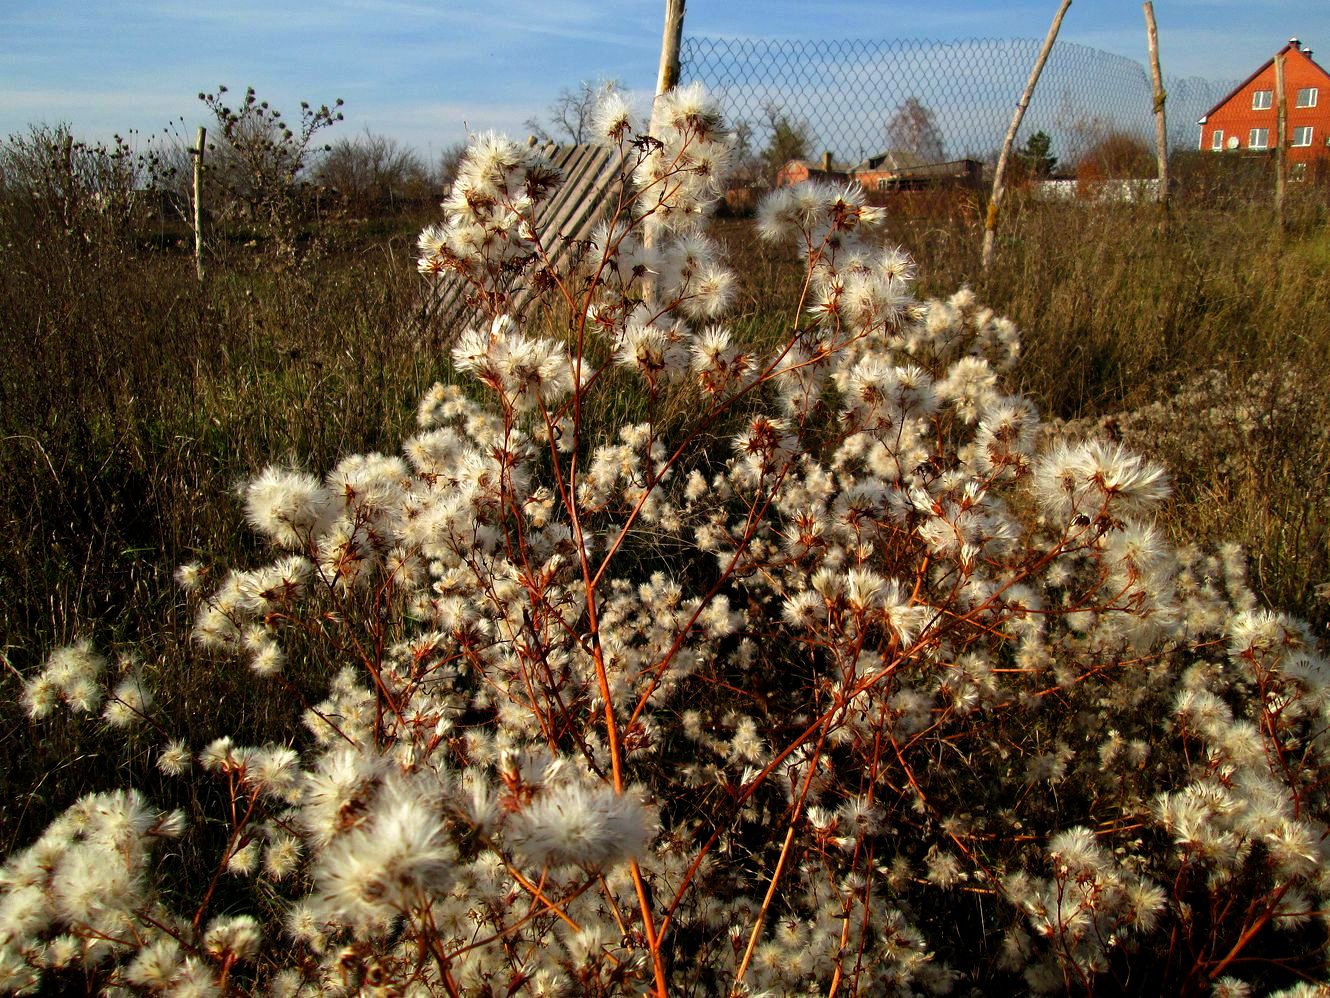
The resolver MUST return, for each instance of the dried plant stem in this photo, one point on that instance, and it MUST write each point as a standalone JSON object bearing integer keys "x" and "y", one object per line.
{"x": 766, "y": 904}
{"x": 770, "y": 895}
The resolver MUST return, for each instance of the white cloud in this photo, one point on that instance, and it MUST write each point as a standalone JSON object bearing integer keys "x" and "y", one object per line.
{"x": 436, "y": 124}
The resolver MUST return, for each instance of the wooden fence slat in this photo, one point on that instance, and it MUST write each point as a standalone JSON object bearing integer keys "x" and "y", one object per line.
{"x": 590, "y": 186}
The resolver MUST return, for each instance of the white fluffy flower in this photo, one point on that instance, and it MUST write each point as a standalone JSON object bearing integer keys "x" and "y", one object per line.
{"x": 289, "y": 507}
{"x": 572, "y": 824}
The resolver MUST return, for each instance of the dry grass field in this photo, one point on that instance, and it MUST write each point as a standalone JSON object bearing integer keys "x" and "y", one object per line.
{"x": 134, "y": 399}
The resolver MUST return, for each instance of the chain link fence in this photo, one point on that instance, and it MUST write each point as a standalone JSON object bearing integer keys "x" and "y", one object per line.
{"x": 857, "y": 99}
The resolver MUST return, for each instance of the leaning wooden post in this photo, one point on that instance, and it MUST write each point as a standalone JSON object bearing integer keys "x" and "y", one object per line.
{"x": 995, "y": 198}
{"x": 1161, "y": 125}
{"x": 197, "y": 153}
{"x": 1281, "y": 125}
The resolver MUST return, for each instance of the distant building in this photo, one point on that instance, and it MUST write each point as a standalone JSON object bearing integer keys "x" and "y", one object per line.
{"x": 1247, "y": 119}
{"x": 796, "y": 171}
{"x": 905, "y": 171}
{"x": 888, "y": 171}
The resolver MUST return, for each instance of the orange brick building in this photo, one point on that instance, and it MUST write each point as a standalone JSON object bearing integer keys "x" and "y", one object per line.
{"x": 796, "y": 171}
{"x": 1247, "y": 119}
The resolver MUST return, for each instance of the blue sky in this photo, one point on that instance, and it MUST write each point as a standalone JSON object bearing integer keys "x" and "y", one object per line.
{"x": 426, "y": 72}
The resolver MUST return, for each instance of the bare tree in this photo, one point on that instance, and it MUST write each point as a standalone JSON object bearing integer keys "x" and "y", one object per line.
{"x": 912, "y": 129}
{"x": 373, "y": 172}
{"x": 571, "y": 112}
{"x": 746, "y": 163}
{"x": 450, "y": 161}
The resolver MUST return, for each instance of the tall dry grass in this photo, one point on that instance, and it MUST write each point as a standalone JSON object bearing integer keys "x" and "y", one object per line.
{"x": 132, "y": 400}
{"x": 1123, "y": 309}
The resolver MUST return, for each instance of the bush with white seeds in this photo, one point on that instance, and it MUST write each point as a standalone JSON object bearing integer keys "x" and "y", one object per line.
{"x": 845, "y": 683}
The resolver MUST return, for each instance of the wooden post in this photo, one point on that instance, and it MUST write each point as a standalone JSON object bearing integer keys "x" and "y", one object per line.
{"x": 667, "y": 78}
{"x": 197, "y": 153}
{"x": 69, "y": 204}
{"x": 1161, "y": 125}
{"x": 1281, "y": 125}
{"x": 995, "y": 199}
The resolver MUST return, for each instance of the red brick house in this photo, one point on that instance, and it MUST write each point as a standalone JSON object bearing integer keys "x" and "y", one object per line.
{"x": 796, "y": 171}
{"x": 1247, "y": 119}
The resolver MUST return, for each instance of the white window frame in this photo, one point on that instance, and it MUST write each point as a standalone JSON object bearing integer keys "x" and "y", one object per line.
{"x": 1217, "y": 140}
{"x": 1262, "y": 100}
{"x": 1310, "y": 94}
{"x": 1302, "y": 137}
{"x": 1263, "y": 143}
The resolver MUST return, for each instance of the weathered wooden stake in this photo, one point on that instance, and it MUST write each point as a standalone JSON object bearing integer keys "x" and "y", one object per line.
{"x": 197, "y": 153}
{"x": 70, "y": 203}
{"x": 667, "y": 78}
{"x": 1161, "y": 125}
{"x": 995, "y": 199}
{"x": 1281, "y": 125}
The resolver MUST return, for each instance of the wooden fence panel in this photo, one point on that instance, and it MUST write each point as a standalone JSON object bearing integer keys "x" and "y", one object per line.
{"x": 590, "y": 191}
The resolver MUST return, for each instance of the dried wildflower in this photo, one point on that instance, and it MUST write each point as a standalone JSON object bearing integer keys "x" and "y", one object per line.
{"x": 174, "y": 759}
{"x": 861, "y": 631}
{"x": 573, "y": 824}
{"x": 291, "y": 507}
{"x": 70, "y": 674}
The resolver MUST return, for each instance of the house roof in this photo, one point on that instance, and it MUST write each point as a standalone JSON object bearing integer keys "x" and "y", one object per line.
{"x": 892, "y": 159}
{"x": 905, "y": 164}
{"x": 1293, "y": 44}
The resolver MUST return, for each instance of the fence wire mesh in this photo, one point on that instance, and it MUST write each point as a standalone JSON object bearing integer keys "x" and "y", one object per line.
{"x": 859, "y": 98}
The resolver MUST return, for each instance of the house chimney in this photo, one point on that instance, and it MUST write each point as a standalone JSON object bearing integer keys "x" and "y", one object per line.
{"x": 1297, "y": 45}
{"x": 826, "y": 162}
